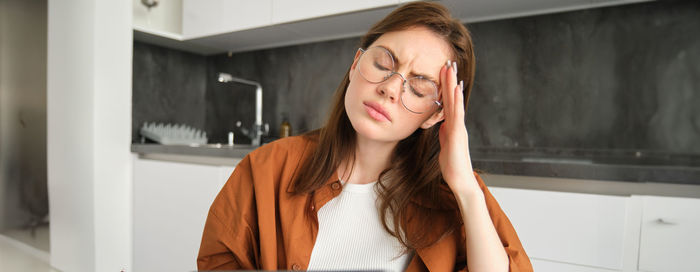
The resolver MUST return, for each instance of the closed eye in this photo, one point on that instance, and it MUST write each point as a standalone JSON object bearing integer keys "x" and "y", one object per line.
{"x": 415, "y": 92}
{"x": 380, "y": 67}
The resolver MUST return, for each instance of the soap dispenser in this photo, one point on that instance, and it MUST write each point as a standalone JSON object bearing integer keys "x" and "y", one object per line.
{"x": 285, "y": 128}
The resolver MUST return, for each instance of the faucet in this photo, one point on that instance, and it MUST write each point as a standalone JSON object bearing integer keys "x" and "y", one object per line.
{"x": 258, "y": 129}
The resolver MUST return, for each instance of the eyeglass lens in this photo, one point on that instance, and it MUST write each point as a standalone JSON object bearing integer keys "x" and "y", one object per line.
{"x": 419, "y": 95}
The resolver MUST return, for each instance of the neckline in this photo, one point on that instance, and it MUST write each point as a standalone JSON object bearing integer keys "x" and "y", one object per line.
{"x": 357, "y": 188}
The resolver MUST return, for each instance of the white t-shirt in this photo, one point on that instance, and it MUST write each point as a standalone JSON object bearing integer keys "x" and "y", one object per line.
{"x": 351, "y": 235}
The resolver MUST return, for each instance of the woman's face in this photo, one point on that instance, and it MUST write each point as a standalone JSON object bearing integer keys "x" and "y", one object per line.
{"x": 375, "y": 109}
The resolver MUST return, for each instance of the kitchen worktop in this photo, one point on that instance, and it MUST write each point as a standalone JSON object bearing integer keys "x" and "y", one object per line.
{"x": 615, "y": 165}
{"x": 609, "y": 165}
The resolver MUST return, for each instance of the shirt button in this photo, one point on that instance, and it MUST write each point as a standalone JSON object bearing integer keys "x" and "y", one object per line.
{"x": 335, "y": 185}
{"x": 296, "y": 267}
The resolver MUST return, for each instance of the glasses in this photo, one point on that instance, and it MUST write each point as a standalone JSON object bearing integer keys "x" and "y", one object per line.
{"x": 418, "y": 94}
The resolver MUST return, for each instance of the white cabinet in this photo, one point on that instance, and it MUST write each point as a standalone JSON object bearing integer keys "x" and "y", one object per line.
{"x": 202, "y": 18}
{"x": 165, "y": 19}
{"x": 550, "y": 266}
{"x": 589, "y": 232}
{"x": 216, "y": 26}
{"x": 574, "y": 228}
{"x": 171, "y": 201}
{"x": 209, "y": 17}
{"x": 670, "y": 234}
{"x": 284, "y": 11}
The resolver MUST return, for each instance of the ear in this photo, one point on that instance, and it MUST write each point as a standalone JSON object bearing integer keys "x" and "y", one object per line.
{"x": 434, "y": 119}
{"x": 353, "y": 67}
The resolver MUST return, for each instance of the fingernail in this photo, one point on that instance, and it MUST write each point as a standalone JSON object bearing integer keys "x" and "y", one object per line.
{"x": 449, "y": 63}
{"x": 454, "y": 65}
{"x": 461, "y": 84}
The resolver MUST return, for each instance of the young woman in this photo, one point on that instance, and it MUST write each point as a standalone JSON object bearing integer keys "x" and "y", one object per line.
{"x": 386, "y": 184}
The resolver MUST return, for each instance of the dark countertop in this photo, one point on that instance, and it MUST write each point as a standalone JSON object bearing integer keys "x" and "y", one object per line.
{"x": 605, "y": 165}
{"x": 613, "y": 165}
{"x": 209, "y": 150}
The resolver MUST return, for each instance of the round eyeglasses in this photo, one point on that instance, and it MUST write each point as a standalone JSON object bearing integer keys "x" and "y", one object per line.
{"x": 418, "y": 94}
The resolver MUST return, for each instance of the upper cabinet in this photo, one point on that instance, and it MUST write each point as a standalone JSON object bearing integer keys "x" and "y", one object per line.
{"x": 203, "y": 18}
{"x": 285, "y": 11}
{"x": 216, "y": 26}
{"x": 164, "y": 19}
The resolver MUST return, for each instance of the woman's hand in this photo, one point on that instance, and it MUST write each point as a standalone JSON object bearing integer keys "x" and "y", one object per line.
{"x": 455, "y": 162}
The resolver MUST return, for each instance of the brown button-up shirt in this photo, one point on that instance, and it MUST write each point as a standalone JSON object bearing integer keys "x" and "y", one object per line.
{"x": 256, "y": 222}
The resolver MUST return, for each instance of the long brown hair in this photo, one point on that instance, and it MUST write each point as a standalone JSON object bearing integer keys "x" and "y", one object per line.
{"x": 411, "y": 190}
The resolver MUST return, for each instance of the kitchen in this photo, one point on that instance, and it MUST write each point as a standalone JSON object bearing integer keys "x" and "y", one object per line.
{"x": 582, "y": 115}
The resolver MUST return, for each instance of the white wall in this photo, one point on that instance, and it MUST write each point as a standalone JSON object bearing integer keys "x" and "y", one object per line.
{"x": 89, "y": 121}
{"x": 22, "y": 112}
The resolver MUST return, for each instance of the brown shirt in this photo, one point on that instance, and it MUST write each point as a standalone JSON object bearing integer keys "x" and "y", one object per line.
{"x": 256, "y": 222}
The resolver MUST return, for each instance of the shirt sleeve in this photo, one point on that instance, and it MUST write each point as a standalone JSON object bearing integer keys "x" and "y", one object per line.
{"x": 229, "y": 239}
{"x": 518, "y": 259}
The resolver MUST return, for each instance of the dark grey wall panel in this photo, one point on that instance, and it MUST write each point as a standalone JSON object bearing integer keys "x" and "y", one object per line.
{"x": 298, "y": 82}
{"x": 622, "y": 77}
{"x": 168, "y": 86}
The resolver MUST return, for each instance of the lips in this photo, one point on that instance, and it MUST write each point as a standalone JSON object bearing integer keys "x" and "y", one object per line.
{"x": 376, "y": 111}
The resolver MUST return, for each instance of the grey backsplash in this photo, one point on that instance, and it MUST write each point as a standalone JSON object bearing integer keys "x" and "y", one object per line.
{"x": 168, "y": 86}
{"x": 624, "y": 77}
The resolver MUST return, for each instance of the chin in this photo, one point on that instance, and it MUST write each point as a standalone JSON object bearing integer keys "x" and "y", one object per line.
{"x": 369, "y": 129}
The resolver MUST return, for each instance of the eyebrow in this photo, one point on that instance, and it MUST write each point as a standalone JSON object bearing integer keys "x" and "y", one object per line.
{"x": 398, "y": 63}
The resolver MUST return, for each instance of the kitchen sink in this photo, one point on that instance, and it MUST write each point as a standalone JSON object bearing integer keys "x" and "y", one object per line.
{"x": 226, "y": 146}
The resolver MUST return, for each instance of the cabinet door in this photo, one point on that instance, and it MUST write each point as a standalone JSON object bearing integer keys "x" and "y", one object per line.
{"x": 210, "y": 17}
{"x": 165, "y": 18}
{"x": 574, "y": 228}
{"x": 171, "y": 202}
{"x": 549, "y": 266}
{"x": 670, "y": 234}
{"x": 288, "y": 11}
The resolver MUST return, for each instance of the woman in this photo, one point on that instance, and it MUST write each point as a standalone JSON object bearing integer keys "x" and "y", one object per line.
{"x": 395, "y": 138}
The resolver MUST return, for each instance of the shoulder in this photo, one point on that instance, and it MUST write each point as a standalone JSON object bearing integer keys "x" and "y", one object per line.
{"x": 279, "y": 160}
{"x": 281, "y": 150}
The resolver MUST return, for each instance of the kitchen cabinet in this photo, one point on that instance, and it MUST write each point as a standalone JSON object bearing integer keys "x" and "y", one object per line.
{"x": 572, "y": 228}
{"x": 550, "y": 266}
{"x": 670, "y": 234}
{"x": 588, "y": 232}
{"x": 203, "y": 18}
{"x": 561, "y": 231}
{"x": 217, "y": 26}
{"x": 170, "y": 205}
{"x": 210, "y": 17}
{"x": 284, "y": 11}
{"x": 165, "y": 19}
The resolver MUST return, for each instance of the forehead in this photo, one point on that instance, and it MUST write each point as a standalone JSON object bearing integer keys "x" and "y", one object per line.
{"x": 419, "y": 48}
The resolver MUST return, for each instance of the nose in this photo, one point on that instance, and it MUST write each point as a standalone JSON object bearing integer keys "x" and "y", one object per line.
{"x": 390, "y": 88}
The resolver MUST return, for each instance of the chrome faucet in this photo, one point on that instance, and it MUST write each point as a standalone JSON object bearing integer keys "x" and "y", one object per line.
{"x": 259, "y": 129}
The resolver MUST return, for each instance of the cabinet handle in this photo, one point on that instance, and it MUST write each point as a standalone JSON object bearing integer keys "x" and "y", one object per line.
{"x": 664, "y": 222}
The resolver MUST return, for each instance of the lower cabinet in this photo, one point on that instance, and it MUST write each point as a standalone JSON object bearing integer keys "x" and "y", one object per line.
{"x": 170, "y": 203}
{"x": 588, "y": 232}
{"x": 560, "y": 231}
{"x": 571, "y": 228}
{"x": 542, "y": 265}
{"x": 670, "y": 236}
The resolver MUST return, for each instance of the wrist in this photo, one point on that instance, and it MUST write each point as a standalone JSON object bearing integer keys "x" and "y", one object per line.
{"x": 464, "y": 183}
{"x": 469, "y": 200}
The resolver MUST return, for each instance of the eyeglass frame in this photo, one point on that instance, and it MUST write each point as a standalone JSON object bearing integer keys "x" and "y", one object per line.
{"x": 403, "y": 83}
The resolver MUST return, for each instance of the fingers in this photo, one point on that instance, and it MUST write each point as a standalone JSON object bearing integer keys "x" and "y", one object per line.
{"x": 448, "y": 75}
{"x": 458, "y": 107}
{"x": 445, "y": 89}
